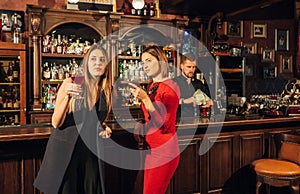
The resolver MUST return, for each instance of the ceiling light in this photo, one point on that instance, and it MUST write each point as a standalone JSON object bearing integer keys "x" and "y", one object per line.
{"x": 138, "y": 4}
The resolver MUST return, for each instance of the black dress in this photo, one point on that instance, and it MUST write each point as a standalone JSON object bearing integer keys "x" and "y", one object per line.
{"x": 71, "y": 164}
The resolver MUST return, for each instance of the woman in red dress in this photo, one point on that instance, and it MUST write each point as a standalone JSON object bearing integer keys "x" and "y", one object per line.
{"x": 159, "y": 105}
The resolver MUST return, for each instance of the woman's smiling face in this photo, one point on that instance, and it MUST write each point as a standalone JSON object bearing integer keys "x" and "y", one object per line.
{"x": 97, "y": 63}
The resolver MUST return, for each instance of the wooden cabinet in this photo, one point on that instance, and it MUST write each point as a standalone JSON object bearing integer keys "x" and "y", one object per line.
{"x": 114, "y": 28}
{"x": 81, "y": 25}
{"x": 232, "y": 72}
{"x": 13, "y": 89}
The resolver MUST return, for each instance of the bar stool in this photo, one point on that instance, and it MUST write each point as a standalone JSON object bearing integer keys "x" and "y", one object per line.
{"x": 283, "y": 170}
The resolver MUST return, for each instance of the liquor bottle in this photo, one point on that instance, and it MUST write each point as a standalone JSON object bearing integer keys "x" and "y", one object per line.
{"x": 46, "y": 72}
{"x": 16, "y": 119}
{"x": 10, "y": 73}
{"x": 16, "y": 72}
{"x": 15, "y": 29}
{"x": 133, "y": 11}
{"x": 152, "y": 10}
{"x": 53, "y": 44}
{"x": 45, "y": 100}
{"x": 61, "y": 73}
{"x": 59, "y": 46}
{"x": 9, "y": 99}
{"x": 46, "y": 44}
{"x": 145, "y": 10}
{"x": 4, "y": 96}
{"x": 54, "y": 72}
{"x": 120, "y": 69}
{"x": 3, "y": 75}
{"x": 16, "y": 98}
{"x": 65, "y": 44}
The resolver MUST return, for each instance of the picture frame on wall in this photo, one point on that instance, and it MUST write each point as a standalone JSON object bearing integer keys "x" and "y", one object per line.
{"x": 281, "y": 40}
{"x": 249, "y": 48}
{"x": 249, "y": 70}
{"x": 234, "y": 28}
{"x": 286, "y": 64}
{"x": 258, "y": 30}
{"x": 270, "y": 72}
{"x": 268, "y": 55}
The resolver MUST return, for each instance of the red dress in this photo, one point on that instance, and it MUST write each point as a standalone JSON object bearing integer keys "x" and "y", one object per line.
{"x": 163, "y": 157}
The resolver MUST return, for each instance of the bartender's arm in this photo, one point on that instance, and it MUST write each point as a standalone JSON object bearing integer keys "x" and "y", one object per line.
{"x": 189, "y": 100}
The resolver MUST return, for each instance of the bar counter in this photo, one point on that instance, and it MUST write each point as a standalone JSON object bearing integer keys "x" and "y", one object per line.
{"x": 223, "y": 169}
{"x": 43, "y": 131}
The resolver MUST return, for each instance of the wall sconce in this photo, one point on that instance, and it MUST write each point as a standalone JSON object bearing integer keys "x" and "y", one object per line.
{"x": 138, "y": 4}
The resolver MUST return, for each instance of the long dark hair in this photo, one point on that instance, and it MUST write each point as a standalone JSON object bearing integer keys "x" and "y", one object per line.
{"x": 103, "y": 82}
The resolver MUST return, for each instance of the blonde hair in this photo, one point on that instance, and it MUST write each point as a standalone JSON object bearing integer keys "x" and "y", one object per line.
{"x": 160, "y": 55}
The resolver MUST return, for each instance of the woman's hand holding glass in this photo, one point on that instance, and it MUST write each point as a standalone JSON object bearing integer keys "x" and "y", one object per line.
{"x": 73, "y": 90}
{"x": 138, "y": 92}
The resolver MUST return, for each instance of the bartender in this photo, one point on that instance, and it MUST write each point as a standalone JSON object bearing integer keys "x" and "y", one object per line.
{"x": 188, "y": 86}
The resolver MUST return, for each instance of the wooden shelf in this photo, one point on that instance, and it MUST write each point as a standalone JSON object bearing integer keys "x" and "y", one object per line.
{"x": 8, "y": 83}
{"x": 55, "y": 55}
{"x": 9, "y": 110}
{"x": 129, "y": 57}
{"x": 52, "y": 82}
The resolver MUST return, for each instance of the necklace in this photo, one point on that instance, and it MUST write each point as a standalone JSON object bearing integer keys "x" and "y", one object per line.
{"x": 153, "y": 89}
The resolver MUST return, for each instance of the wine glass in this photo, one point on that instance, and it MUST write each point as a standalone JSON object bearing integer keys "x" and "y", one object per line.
{"x": 78, "y": 78}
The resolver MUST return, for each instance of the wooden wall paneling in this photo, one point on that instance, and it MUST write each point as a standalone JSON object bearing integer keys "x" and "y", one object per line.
{"x": 189, "y": 166}
{"x": 11, "y": 176}
{"x": 220, "y": 162}
{"x": 119, "y": 180}
{"x": 252, "y": 147}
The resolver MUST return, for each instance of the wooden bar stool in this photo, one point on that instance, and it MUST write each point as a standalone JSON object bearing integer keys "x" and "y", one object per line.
{"x": 283, "y": 170}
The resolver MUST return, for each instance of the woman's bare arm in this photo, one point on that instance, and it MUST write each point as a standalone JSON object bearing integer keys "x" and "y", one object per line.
{"x": 61, "y": 105}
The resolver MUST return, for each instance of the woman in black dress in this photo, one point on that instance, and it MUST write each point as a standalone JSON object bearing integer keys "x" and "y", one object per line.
{"x": 72, "y": 163}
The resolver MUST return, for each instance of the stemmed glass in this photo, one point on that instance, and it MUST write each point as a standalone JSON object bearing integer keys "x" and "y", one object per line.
{"x": 126, "y": 94}
{"x": 78, "y": 78}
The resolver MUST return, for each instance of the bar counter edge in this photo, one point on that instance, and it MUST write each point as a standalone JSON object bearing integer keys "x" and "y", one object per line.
{"x": 223, "y": 169}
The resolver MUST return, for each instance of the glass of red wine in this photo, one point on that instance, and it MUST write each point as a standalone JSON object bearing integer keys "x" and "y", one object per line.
{"x": 78, "y": 78}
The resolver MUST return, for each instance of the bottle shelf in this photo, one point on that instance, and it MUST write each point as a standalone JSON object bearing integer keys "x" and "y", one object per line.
{"x": 8, "y": 83}
{"x": 128, "y": 57}
{"x": 231, "y": 70}
{"x": 44, "y": 82}
{"x": 9, "y": 110}
{"x": 144, "y": 82}
{"x": 55, "y": 55}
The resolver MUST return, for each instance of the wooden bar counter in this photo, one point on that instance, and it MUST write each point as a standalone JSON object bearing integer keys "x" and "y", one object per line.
{"x": 224, "y": 168}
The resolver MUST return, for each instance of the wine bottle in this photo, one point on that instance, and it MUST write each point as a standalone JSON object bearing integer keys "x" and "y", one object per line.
{"x": 10, "y": 73}
{"x": 53, "y": 44}
{"x": 46, "y": 72}
{"x": 152, "y": 10}
{"x": 59, "y": 47}
{"x": 16, "y": 72}
{"x": 120, "y": 69}
{"x": 15, "y": 29}
{"x": 3, "y": 75}
{"x": 145, "y": 10}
